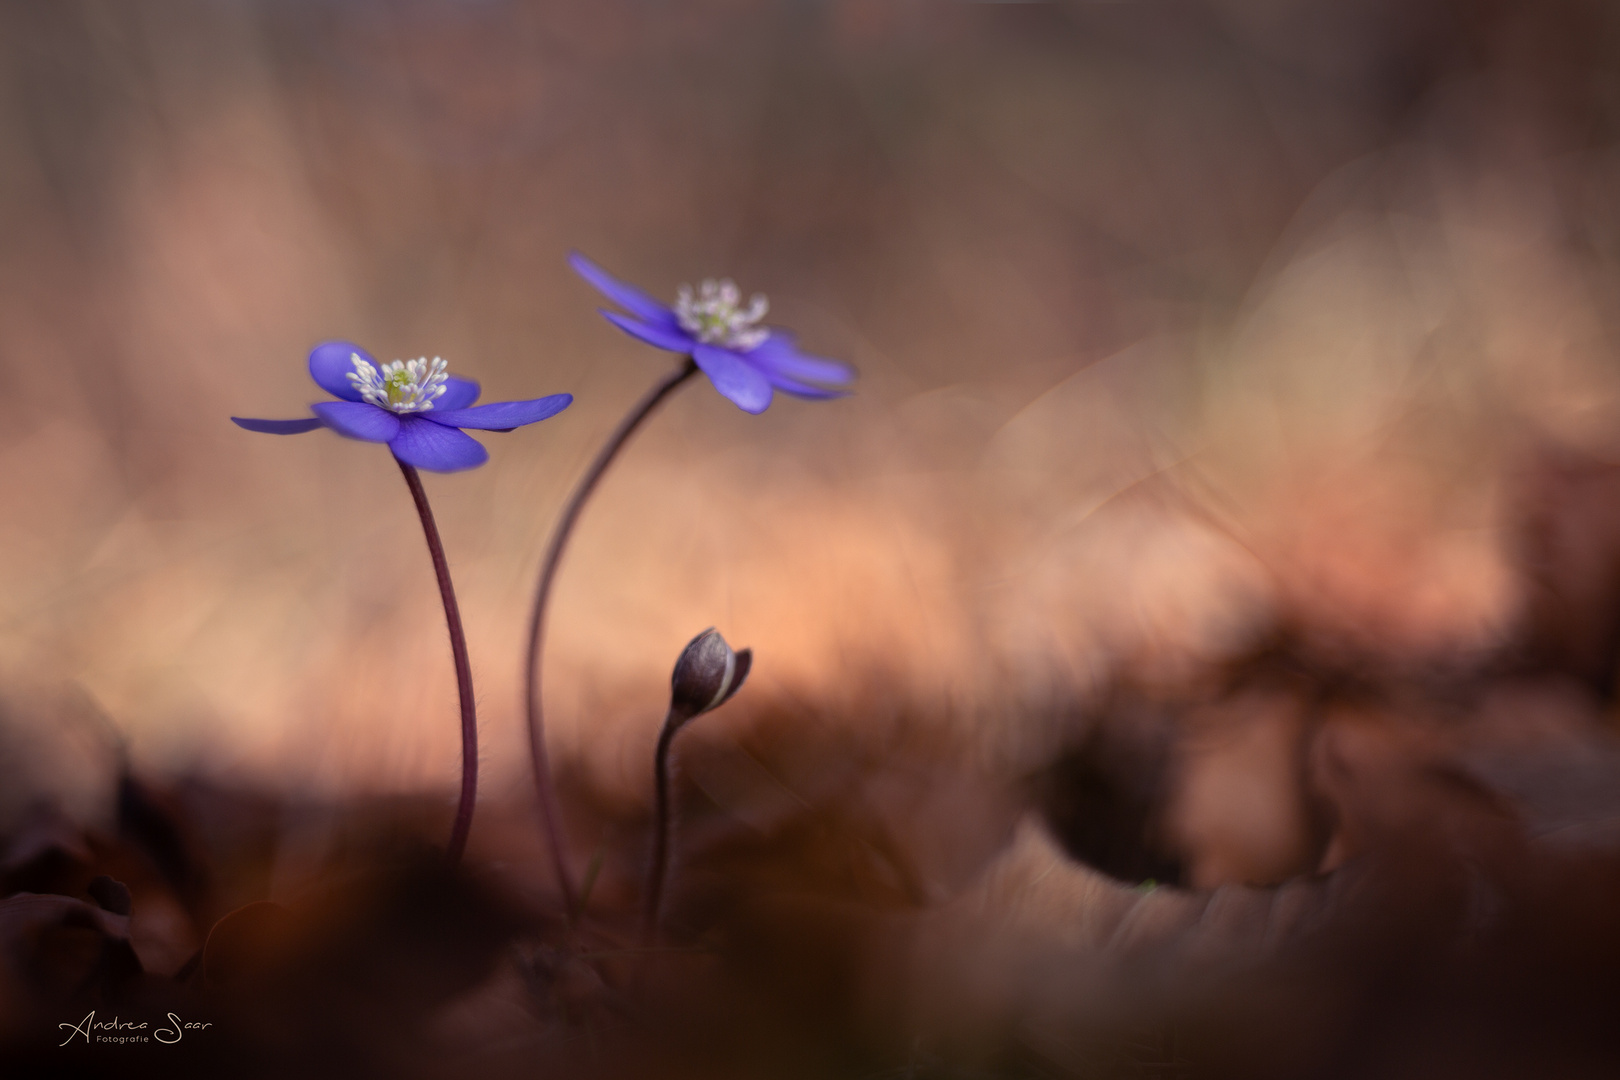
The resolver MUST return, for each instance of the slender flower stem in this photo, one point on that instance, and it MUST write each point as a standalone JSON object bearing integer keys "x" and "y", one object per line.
{"x": 550, "y": 813}
{"x": 458, "y": 652}
{"x": 653, "y": 894}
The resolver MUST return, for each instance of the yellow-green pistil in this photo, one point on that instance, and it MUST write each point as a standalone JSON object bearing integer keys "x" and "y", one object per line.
{"x": 715, "y": 316}
{"x": 404, "y": 386}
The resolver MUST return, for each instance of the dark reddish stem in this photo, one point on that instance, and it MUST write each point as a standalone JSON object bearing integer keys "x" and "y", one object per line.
{"x": 654, "y": 893}
{"x": 545, "y": 789}
{"x": 458, "y": 653}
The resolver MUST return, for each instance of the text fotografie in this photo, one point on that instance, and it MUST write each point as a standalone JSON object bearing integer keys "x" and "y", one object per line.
{"x": 129, "y": 1031}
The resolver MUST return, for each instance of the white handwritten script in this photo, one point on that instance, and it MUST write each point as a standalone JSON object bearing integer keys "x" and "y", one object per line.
{"x": 129, "y": 1031}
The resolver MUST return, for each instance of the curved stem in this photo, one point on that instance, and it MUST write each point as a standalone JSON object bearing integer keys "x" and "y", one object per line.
{"x": 458, "y": 653}
{"x": 654, "y": 892}
{"x": 550, "y": 813}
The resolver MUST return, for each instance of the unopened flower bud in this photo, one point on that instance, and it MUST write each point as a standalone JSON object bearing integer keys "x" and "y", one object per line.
{"x": 707, "y": 673}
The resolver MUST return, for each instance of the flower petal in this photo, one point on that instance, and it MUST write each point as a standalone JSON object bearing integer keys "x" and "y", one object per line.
{"x": 434, "y": 447}
{"x": 805, "y": 390}
{"x": 330, "y": 363}
{"x": 501, "y": 415}
{"x": 778, "y": 355}
{"x": 628, "y": 297}
{"x": 738, "y": 382}
{"x": 278, "y": 427}
{"x": 672, "y": 338}
{"x": 358, "y": 420}
{"x": 458, "y": 393}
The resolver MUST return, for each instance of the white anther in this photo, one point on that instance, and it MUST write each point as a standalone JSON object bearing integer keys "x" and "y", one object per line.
{"x": 404, "y": 386}
{"x": 715, "y": 315}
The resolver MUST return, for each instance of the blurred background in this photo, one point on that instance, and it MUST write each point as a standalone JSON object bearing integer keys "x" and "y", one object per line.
{"x": 1169, "y": 314}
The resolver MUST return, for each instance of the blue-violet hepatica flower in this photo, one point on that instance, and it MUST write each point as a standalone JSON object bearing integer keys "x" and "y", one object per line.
{"x": 744, "y": 360}
{"x": 415, "y": 406}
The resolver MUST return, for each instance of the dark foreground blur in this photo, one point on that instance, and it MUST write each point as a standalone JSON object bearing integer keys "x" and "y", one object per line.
{"x": 1192, "y": 651}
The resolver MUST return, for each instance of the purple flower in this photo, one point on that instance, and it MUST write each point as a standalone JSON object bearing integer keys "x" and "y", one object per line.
{"x": 414, "y": 406}
{"x": 744, "y": 361}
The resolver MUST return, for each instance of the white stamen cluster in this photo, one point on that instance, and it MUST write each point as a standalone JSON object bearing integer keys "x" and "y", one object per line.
{"x": 404, "y": 386}
{"x": 715, "y": 316}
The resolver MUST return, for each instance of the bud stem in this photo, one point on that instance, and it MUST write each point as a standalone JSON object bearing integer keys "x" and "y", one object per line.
{"x": 458, "y": 654}
{"x": 654, "y": 893}
{"x": 545, "y": 789}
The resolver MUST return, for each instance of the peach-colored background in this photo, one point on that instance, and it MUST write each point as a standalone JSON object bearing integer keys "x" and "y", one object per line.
{"x": 1161, "y": 314}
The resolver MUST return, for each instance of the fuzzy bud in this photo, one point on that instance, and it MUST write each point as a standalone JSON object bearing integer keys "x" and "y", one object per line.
{"x": 706, "y": 675}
